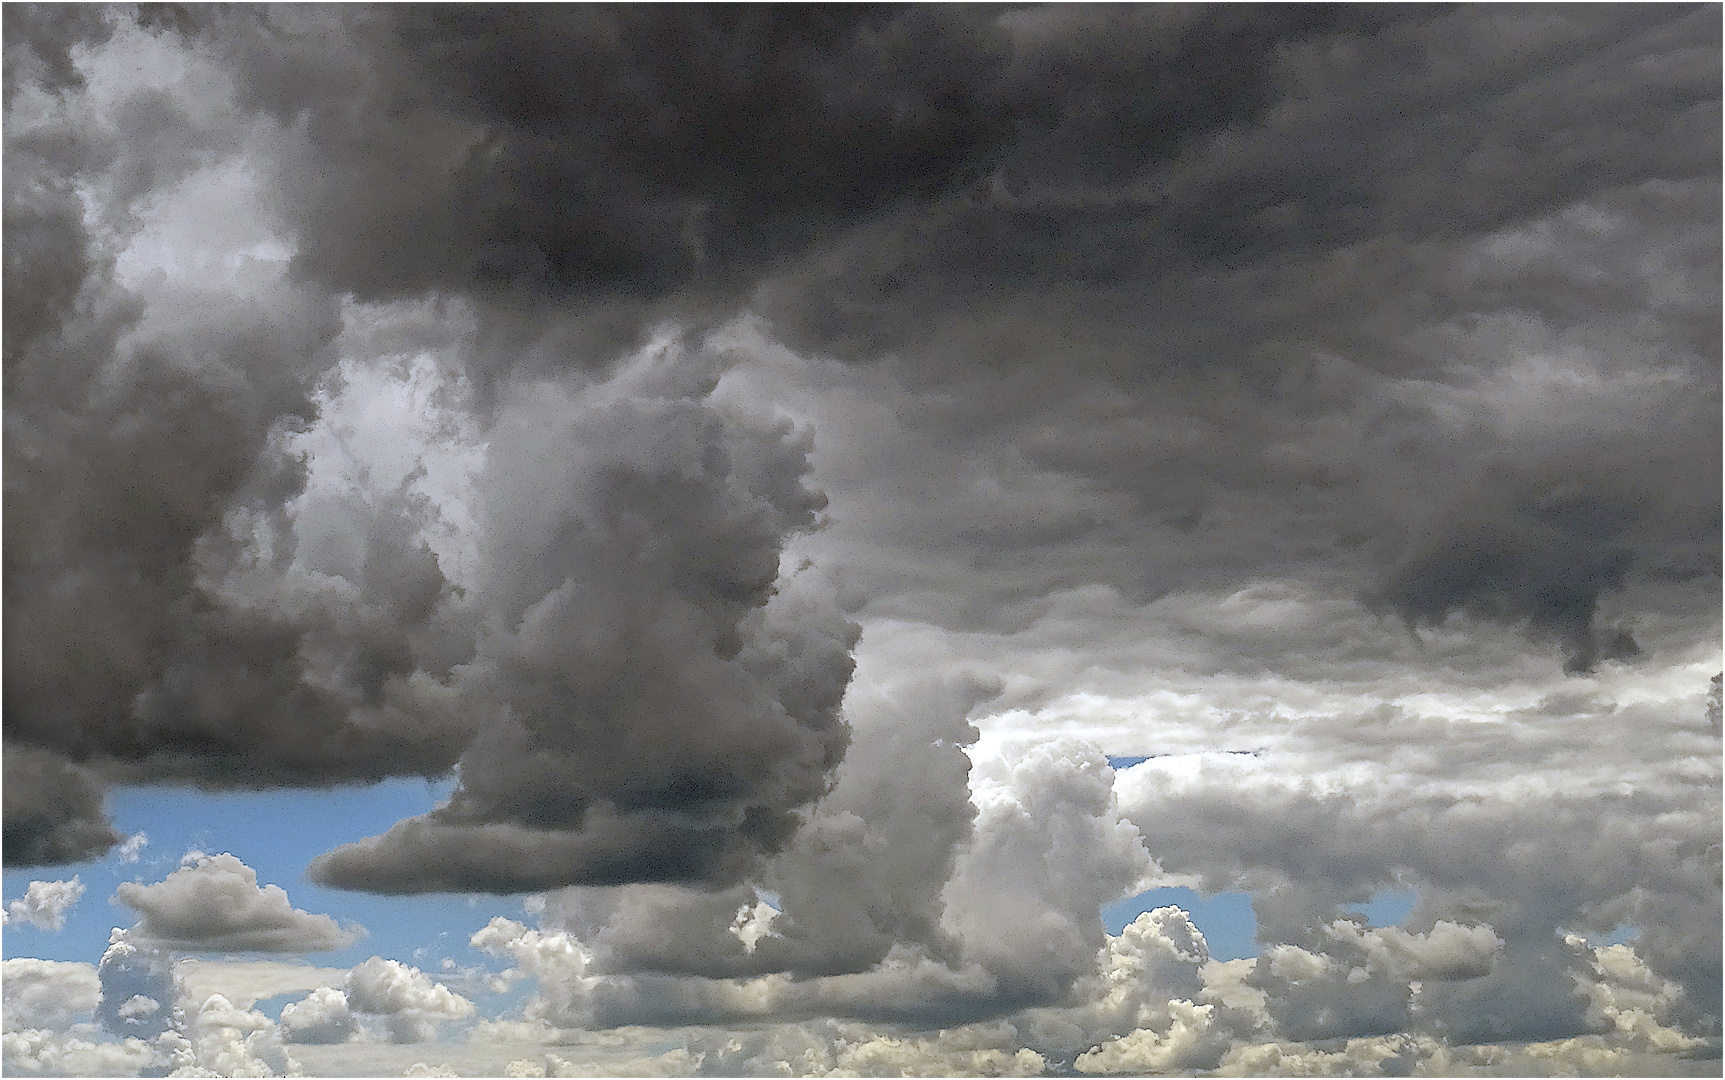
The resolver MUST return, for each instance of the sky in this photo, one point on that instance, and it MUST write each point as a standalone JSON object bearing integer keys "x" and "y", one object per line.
{"x": 864, "y": 540}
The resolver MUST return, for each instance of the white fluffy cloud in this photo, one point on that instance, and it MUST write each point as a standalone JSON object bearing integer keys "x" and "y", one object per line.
{"x": 411, "y": 1004}
{"x": 217, "y": 1038}
{"x": 48, "y": 993}
{"x": 214, "y": 903}
{"x": 46, "y": 1053}
{"x": 322, "y": 1016}
{"x": 45, "y": 904}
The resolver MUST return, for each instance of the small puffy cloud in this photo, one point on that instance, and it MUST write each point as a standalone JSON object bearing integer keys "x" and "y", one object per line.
{"x": 44, "y": 904}
{"x": 321, "y": 1017}
{"x": 1632, "y": 1002}
{"x": 47, "y": 993}
{"x": 556, "y": 958}
{"x": 410, "y": 1002}
{"x": 128, "y": 851}
{"x": 754, "y": 922}
{"x": 214, "y": 903}
{"x": 1449, "y": 952}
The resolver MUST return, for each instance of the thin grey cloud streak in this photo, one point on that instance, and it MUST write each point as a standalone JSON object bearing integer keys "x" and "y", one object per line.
{"x": 770, "y": 456}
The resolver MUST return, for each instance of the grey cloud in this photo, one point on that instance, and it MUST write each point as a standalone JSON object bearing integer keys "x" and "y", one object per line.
{"x": 1016, "y": 898}
{"x": 142, "y": 412}
{"x": 600, "y": 150}
{"x": 864, "y": 873}
{"x": 1545, "y": 557}
{"x": 1303, "y": 854}
{"x": 213, "y": 903}
{"x": 39, "y": 40}
{"x": 53, "y": 811}
{"x": 656, "y": 700}
{"x": 183, "y": 606}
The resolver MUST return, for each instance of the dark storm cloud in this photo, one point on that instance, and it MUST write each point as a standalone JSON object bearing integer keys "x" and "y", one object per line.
{"x": 655, "y": 699}
{"x": 39, "y": 40}
{"x": 53, "y": 811}
{"x": 1173, "y": 297}
{"x": 1545, "y": 560}
{"x": 638, "y": 150}
{"x": 163, "y": 620}
{"x": 135, "y": 424}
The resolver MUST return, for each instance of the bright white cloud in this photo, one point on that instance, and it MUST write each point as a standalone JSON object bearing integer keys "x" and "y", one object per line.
{"x": 45, "y": 904}
{"x": 322, "y": 1016}
{"x": 47, "y": 993}
{"x": 411, "y": 1004}
{"x": 129, "y": 849}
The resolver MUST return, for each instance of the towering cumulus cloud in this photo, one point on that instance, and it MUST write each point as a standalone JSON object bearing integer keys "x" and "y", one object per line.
{"x": 654, "y": 700}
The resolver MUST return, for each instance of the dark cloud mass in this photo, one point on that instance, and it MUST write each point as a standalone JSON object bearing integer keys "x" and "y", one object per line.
{"x": 767, "y": 457}
{"x": 53, "y": 811}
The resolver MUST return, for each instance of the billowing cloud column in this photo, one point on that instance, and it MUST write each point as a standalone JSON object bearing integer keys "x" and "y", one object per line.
{"x": 655, "y": 699}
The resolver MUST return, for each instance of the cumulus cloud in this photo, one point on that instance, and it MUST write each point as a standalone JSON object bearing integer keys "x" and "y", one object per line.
{"x": 217, "y": 1038}
{"x": 48, "y": 994}
{"x": 323, "y": 1016}
{"x": 409, "y": 1001}
{"x": 131, "y": 972}
{"x": 646, "y": 597}
{"x": 213, "y": 903}
{"x": 45, "y": 904}
{"x": 44, "y": 1053}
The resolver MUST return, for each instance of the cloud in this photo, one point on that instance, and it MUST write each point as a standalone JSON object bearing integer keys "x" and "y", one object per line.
{"x": 48, "y": 994}
{"x": 132, "y": 846}
{"x": 213, "y": 903}
{"x": 1492, "y": 964}
{"x": 1045, "y": 816}
{"x": 323, "y": 1016}
{"x": 53, "y": 812}
{"x": 219, "y": 1038}
{"x": 1037, "y": 365}
{"x": 772, "y": 458}
{"x": 1544, "y": 557}
{"x": 656, "y": 696}
{"x": 45, "y": 904}
{"x": 1189, "y": 1042}
{"x": 44, "y": 1053}
{"x": 130, "y": 971}
{"x": 247, "y": 982}
{"x": 411, "y": 1003}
